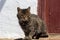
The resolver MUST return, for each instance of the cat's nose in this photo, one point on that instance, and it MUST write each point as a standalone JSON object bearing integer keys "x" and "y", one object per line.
{"x": 26, "y": 19}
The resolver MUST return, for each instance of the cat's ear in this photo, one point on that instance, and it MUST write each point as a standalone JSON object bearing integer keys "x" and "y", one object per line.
{"x": 28, "y": 8}
{"x": 18, "y": 9}
{"x": 28, "y": 11}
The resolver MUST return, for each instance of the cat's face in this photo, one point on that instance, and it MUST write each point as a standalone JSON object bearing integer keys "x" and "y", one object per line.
{"x": 23, "y": 14}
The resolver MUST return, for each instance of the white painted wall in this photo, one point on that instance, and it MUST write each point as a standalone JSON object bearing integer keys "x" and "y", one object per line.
{"x": 9, "y": 27}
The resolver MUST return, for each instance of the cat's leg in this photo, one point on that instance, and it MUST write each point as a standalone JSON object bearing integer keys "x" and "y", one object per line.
{"x": 34, "y": 36}
{"x": 37, "y": 31}
{"x": 27, "y": 36}
{"x": 43, "y": 32}
{"x": 38, "y": 35}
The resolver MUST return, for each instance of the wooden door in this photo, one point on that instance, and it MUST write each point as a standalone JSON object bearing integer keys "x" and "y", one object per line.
{"x": 51, "y": 15}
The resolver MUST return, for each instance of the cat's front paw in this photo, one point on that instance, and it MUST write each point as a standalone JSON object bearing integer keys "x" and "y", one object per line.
{"x": 42, "y": 35}
{"x": 35, "y": 36}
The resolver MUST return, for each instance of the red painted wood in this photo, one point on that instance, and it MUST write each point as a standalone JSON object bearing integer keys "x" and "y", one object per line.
{"x": 54, "y": 16}
{"x": 42, "y": 11}
{"x": 40, "y": 8}
{"x": 50, "y": 12}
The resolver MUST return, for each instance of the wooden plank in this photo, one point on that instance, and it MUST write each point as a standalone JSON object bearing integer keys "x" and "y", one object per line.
{"x": 51, "y": 37}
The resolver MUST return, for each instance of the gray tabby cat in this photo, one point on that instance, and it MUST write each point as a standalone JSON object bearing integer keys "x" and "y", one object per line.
{"x": 32, "y": 25}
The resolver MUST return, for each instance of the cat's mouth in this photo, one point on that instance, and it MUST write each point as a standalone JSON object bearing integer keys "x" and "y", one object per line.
{"x": 24, "y": 23}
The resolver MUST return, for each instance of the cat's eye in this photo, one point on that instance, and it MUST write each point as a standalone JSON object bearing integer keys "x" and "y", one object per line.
{"x": 21, "y": 16}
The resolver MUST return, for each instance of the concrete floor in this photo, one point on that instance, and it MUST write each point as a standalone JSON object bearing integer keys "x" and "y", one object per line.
{"x": 51, "y": 37}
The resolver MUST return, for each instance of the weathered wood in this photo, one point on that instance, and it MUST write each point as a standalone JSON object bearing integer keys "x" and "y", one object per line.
{"x": 51, "y": 37}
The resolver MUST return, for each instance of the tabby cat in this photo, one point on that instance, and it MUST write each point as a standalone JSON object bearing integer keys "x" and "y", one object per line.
{"x": 32, "y": 25}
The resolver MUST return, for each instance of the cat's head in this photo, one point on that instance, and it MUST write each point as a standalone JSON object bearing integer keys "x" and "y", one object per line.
{"x": 23, "y": 14}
